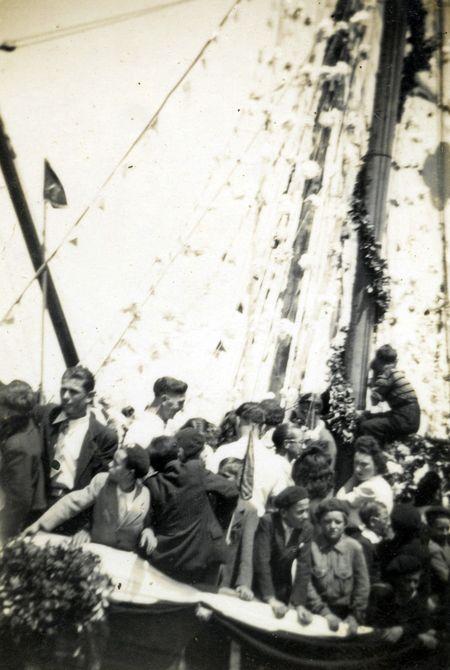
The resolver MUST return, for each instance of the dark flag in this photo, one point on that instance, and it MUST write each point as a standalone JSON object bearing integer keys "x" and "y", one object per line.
{"x": 53, "y": 189}
{"x": 248, "y": 471}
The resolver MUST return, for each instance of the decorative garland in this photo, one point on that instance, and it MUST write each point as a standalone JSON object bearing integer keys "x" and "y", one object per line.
{"x": 376, "y": 267}
{"x": 341, "y": 417}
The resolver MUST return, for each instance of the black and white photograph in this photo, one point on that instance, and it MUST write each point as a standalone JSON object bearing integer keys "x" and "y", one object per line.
{"x": 224, "y": 334}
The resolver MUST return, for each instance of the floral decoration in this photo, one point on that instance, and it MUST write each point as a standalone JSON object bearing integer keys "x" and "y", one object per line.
{"x": 49, "y": 590}
{"x": 376, "y": 267}
{"x": 416, "y": 456}
{"x": 341, "y": 417}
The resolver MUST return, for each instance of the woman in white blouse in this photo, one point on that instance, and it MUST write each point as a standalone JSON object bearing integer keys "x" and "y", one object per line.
{"x": 367, "y": 482}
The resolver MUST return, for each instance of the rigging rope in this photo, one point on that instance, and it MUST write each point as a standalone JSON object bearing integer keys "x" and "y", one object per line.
{"x": 147, "y": 127}
{"x": 61, "y": 33}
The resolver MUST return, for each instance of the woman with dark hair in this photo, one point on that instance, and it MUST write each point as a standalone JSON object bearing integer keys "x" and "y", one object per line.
{"x": 367, "y": 482}
{"x": 21, "y": 475}
{"x": 313, "y": 471}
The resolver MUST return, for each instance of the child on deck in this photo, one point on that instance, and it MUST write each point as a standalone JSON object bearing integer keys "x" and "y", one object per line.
{"x": 339, "y": 588}
{"x": 391, "y": 386}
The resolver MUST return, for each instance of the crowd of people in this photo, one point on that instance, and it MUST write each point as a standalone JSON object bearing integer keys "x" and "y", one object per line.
{"x": 252, "y": 507}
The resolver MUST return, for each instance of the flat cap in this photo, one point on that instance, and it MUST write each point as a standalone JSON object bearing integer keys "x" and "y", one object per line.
{"x": 290, "y": 496}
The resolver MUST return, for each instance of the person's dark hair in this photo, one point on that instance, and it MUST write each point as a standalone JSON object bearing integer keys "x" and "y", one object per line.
{"x": 366, "y": 444}
{"x": 83, "y": 374}
{"x": 386, "y": 355}
{"x": 169, "y": 385}
{"x": 253, "y": 413}
{"x": 202, "y": 425}
{"x": 138, "y": 460}
{"x": 280, "y": 434}
{"x": 19, "y": 397}
{"x": 273, "y": 411}
{"x": 236, "y": 465}
{"x": 427, "y": 489}
{"x": 310, "y": 465}
{"x": 229, "y": 428}
{"x": 162, "y": 450}
{"x": 370, "y": 509}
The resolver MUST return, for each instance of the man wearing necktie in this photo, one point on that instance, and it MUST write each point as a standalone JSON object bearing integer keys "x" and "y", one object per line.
{"x": 76, "y": 446}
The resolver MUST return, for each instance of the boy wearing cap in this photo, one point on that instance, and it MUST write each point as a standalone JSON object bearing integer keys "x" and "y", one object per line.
{"x": 283, "y": 554}
{"x": 390, "y": 385}
{"x": 339, "y": 587}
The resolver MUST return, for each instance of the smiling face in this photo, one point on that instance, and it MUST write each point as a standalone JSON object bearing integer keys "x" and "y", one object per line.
{"x": 363, "y": 467}
{"x": 296, "y": 515}
{"x": 332, "y": 525}
{"x": 440, "y": 530}
{"x": 74, "y": 397}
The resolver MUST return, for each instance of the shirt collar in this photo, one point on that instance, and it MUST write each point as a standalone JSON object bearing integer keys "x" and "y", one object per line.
{"x": 339, "y": 546}
{"x": 62, "y": 416}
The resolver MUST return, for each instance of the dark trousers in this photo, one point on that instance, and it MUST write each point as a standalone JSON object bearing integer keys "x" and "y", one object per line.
{"x": 393, "y": 425}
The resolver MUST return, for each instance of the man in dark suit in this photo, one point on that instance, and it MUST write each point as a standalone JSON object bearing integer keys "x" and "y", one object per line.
{"x": 21, "y": 474}
{"x": 76, "y": 446}
{"x": 190, "y": 541}
{"x": 283, "y": 554}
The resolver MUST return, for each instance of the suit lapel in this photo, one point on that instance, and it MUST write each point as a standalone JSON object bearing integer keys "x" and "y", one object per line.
{"x": 87, "y": 449}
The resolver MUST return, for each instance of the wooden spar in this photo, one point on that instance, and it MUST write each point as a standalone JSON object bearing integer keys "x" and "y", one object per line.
{"x": 34, "y": 249}
{"x": 378, "y": 164}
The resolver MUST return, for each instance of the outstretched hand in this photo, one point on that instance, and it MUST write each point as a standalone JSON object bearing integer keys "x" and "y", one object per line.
{"x": 80, "y": 538}
{"x": 148, "y": 541}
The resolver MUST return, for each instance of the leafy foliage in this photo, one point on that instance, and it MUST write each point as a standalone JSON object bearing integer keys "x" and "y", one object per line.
{"x": 376, "y": 267}
{"x": 341, "y": 417}
{"x": 49, "y": 590}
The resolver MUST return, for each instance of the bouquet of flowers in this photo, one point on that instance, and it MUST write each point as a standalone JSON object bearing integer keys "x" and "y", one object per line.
{"x": 416, "y": 456}
{"x": 341, "y": 416}
{"x": 50, "y": 592}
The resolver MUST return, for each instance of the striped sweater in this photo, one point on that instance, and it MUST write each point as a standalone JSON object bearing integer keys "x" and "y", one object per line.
{"x": 393, "y": 387}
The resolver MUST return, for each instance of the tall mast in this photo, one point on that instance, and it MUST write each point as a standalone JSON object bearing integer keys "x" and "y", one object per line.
{"x": 32, "y": 241}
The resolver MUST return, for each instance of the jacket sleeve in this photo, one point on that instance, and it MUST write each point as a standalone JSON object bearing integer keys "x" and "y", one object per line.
{"x": 361, "y": 585}
{"x": 107, "y": 442}
{"x": 220, "y": 485}
{"x": 314, "y": 600}
{"x": 17, "y": 482}
{"x": 263, "y": 552}
{"x": 299, "y": 592}
{"x": 72, "y": 504}
{"x": 438, "y": 564}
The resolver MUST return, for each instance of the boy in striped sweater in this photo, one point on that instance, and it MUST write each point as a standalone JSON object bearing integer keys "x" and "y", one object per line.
{"x": 391, "y": 386}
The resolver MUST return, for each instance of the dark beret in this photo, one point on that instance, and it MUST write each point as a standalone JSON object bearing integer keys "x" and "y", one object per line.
{"x": 332, "y": 505}
{"x": 290, "y": 496}
{"x": 405, "y": 517}
{"x": 191, "y": 440}
{"x": 404, "y": 564}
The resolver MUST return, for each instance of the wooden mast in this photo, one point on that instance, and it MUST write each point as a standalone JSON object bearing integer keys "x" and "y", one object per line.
{"x": 32, "y": 241}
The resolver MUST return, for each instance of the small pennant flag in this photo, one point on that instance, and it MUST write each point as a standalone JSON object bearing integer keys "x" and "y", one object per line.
{"x": 53, "y": 189}
{"x": 248, "y": 470}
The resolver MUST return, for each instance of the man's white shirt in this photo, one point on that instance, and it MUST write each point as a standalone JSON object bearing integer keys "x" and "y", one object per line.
{"x": 271, "y": 473}
{"x": 147, "y": 426}
{"x": 67, "y": 452}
